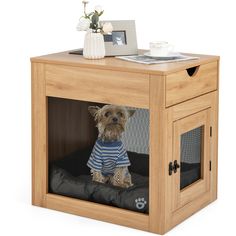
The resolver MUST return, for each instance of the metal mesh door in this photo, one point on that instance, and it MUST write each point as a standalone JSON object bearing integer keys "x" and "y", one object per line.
{"x": 191, "y": 152}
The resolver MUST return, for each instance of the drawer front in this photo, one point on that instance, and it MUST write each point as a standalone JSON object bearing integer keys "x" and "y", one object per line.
{"x": 112, "y": 87}
{"x": 190, "y": 83}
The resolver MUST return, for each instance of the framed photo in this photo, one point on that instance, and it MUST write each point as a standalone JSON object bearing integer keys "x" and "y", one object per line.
{"x": 123, "y": 39}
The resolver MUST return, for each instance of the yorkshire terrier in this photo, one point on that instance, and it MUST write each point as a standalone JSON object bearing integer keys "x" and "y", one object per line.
{"x": 109, "y": 160}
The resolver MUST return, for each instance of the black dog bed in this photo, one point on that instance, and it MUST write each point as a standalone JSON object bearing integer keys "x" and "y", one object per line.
{"x": 70, "y": 177}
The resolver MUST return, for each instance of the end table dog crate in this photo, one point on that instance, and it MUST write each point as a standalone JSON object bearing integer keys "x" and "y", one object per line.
{"x": 182, "y": 103}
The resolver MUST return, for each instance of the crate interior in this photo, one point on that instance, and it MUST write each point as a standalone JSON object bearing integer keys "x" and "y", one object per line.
{"x": 72, "y": 133}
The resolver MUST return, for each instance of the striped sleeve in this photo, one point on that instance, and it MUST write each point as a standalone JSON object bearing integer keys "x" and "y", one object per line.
{"x": 95, "y": 160}
{"x": 123, "y": 159}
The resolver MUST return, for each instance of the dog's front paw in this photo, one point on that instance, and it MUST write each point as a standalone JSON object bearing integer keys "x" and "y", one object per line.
{"x": 128, "y": 182}
{"x": 121, "y": 178}
{"x": 98, "y": 177}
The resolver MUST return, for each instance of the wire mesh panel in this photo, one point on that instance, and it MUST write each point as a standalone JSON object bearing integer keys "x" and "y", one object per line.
{"x": 136, "y": 135}
{"x": 191, "y": 156}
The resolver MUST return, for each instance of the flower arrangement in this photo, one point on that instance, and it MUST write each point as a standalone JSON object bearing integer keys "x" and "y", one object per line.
{"x": 90, "y": 21}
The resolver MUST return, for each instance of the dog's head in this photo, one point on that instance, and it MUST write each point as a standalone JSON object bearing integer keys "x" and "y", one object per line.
{"x": 111, "y": 120}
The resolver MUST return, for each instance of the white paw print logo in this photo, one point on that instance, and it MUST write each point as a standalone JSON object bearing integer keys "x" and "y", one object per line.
{"x": 140, "y": 203}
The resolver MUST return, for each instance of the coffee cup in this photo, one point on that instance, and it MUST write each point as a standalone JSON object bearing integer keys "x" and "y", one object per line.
{"x": 160, "y": 48}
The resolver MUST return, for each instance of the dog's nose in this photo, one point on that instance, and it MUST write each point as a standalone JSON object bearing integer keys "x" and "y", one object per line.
{"x": 114, "y": 119}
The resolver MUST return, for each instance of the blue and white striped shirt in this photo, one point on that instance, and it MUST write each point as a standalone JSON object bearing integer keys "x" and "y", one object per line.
{"x": 106, "y": 156}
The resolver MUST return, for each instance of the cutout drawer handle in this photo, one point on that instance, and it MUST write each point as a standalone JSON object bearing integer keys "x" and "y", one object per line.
{"x": 192, "y": 71}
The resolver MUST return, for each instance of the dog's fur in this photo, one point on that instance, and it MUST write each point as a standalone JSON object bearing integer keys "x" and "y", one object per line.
{"x": 111, "y": 121}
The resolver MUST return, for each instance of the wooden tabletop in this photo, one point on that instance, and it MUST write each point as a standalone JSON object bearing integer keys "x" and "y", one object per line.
{"x": 112, "y": 63}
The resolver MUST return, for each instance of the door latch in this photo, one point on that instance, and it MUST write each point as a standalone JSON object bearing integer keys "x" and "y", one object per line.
{"x": 173, "y": 167}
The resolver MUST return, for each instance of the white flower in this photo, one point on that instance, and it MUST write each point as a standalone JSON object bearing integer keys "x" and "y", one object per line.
{"x": 83, "y": 24}
{"x": 107, "y": 28}
{"x": 98, "y": 9}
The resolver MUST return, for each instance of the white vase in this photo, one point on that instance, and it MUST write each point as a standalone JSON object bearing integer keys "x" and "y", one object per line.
{"x": 94, "y": 47}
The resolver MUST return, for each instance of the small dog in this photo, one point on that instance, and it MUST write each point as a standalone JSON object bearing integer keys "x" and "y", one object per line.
{"x": 109, "y": 160}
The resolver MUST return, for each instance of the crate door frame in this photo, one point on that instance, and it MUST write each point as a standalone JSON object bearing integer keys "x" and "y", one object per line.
{"x": 201, "y": 186}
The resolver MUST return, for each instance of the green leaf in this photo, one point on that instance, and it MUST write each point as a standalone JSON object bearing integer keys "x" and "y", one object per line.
{"x": 90, "y": 14}
{"x": 100, "y": 13}
{"x": 95, "y": 18}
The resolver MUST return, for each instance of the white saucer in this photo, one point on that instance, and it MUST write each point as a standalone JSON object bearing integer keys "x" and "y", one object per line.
{"x": 170, "y": 56}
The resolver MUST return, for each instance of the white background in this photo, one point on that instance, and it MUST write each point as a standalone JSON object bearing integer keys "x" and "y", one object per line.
{"x": 30, "y": 28}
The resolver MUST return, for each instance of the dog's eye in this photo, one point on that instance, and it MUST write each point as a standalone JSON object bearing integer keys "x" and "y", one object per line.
{"x": 120, "y": 114}
{"x": 107, "y": 114}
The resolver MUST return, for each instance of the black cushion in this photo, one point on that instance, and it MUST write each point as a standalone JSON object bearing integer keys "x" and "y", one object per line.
{"x": 70, "y": 177}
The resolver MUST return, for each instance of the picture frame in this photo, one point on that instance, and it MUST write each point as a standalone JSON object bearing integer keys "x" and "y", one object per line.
{"x": 123, "y": 40}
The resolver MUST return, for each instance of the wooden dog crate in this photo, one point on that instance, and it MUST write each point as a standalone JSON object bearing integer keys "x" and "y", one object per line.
{"x": 182, "y": 100}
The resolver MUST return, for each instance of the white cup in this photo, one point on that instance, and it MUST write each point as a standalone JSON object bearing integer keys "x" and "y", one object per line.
{"x": 160, "y": 48}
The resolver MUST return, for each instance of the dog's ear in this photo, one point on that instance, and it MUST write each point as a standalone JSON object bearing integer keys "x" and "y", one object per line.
{"x": 131, "y": 112}
{"x": 93, "y": 110}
